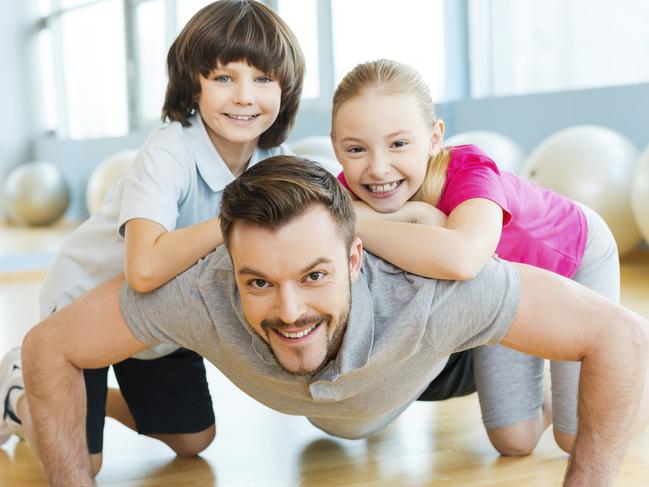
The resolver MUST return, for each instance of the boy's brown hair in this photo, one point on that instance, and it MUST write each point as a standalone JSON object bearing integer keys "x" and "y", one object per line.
{"x": 230, "y": 31}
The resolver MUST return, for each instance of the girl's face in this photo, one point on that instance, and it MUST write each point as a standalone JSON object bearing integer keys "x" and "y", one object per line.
{"x": 238, "y": 103}
{"x": 384, "y": 144}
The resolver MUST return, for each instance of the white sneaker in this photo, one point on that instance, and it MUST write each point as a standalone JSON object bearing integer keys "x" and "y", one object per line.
{"x": 11, "y": 378}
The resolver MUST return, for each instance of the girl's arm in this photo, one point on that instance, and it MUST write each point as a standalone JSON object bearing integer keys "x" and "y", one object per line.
{"x": 455, "y": 251}
{"x": 153, "y": 255}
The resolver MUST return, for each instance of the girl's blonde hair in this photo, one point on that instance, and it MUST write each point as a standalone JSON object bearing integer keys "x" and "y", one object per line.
{"x": 388, "y": 77}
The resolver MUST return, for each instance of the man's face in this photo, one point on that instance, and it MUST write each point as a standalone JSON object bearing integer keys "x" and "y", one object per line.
{"x": 295, "y": 285}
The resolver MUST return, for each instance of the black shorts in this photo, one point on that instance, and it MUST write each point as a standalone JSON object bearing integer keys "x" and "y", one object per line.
{"x": 168, "y": 395}
{"x": 455, "y": 379}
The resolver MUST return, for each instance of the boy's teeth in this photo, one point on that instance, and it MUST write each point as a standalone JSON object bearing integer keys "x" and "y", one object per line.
{"x": 383, "y": 188}
{"x": 242, "y": 117}
{"x": 298, "y": 334}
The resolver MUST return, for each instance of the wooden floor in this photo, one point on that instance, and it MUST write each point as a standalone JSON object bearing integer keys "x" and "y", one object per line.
{"x": 431, "y": 444}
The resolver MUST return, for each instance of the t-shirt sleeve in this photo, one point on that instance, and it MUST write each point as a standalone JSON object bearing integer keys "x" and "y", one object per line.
{"x": 466, "y": 314}
{"x": 154, "y": 186}
{"x": 476, "y": 176}
{"x": 174, "y": 313}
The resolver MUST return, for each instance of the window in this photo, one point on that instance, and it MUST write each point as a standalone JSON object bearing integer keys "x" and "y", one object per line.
{"x": 151, "y": 48}
{"x": 524, "y": 46}
{"x": 301, "y": 16}
{"x": 93, "y": 83}
{"x": 409, "y": 31}
{"x": 102, "y": 63}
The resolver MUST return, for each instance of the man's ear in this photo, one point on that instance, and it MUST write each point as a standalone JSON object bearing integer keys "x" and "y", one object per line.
{"x": 355, "y": 258}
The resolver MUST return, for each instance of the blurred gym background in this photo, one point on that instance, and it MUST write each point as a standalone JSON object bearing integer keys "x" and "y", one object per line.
{"x": 557, "y": 91}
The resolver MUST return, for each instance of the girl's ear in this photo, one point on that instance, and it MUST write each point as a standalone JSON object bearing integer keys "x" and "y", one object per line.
{"x": 437, "y": 136}
{"x": 333, "y": 144}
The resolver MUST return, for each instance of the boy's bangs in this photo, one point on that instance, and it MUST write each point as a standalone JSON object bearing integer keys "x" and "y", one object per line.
{"x": 251, "y": 44}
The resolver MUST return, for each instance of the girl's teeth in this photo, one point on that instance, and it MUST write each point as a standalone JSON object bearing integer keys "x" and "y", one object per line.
{"x": 383, "y": 188}
{"x": 298, "y": 334}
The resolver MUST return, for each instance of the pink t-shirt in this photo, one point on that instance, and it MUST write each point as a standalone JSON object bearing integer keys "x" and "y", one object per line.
{"x": 540, "y": 227}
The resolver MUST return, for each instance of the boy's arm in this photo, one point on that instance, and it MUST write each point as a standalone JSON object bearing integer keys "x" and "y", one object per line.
{"x": 89, "y": 333}
{"x": 153, "y": 255}
{"x": 561, "y": 320}
{"x": 457, "y": 251}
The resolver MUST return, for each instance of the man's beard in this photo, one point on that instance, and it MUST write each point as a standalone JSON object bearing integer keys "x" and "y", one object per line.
{"x": 326, "y": 320}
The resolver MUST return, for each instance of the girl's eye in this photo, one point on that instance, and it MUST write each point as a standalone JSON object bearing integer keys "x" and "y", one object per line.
{"x": 315, "y": 276}
{"x": 355, "y": 150}
{"x": 258, "y": 283}
{"x": 399, "y": 143}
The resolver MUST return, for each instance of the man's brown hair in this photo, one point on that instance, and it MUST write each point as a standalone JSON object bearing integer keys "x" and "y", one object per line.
{"x": 278, "y": 189}
{"x": 233, "y": 31}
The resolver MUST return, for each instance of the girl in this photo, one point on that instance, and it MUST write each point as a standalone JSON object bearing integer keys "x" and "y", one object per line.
{"x": 235, "y": 79}
{"x": 389, "y": 140}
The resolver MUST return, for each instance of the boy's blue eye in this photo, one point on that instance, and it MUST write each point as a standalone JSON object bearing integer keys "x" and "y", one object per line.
{"x": 264, "y": 79}
{"x": 222, "y": 79}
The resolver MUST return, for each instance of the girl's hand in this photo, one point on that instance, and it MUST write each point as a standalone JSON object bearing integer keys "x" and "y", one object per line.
{"x": 411, "y": 212}
{"x": 426, "y": 214}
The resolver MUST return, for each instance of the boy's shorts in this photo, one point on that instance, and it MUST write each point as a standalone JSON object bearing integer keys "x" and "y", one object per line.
{"x": 168, "y": 395}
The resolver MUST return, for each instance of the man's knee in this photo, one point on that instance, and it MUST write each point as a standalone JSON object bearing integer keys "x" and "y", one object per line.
{"x": 515, "y": 440}
{"x": 565, "y": 441}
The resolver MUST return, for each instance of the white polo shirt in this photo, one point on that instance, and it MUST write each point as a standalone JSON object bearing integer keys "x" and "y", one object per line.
{"x": 177, "y": 180}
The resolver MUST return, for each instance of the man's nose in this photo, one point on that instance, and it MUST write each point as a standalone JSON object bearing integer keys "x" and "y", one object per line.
{"x": 291, "y": 305}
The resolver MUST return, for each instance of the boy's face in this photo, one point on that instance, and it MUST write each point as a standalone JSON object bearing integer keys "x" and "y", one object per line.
{"x": 237, "y": 104}
{"x": 294, "y": 284}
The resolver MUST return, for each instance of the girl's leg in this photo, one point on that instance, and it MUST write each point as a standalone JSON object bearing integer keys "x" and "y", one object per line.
{"x": 511, "y": 391}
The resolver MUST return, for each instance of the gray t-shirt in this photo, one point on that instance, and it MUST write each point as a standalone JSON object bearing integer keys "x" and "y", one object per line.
{"x": 401, "y": 330}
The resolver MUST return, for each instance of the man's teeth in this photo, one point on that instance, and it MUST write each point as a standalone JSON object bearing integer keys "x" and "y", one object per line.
{"x": 245, "y": 118}
{"x": 298, "y": 334}
{"x": 383, "y": 188}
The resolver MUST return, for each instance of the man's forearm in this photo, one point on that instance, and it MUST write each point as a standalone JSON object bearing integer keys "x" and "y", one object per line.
{"x": 57, "y": 401}
{"x": 611, "y": 385}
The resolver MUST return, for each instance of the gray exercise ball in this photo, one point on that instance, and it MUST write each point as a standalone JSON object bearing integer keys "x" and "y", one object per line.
{"x": 36, "y": 194}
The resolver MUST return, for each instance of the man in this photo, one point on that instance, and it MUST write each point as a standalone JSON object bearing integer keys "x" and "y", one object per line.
{"x": 296, "y": 316}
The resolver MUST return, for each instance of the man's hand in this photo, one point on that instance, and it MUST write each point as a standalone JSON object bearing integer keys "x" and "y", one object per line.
{"x": 559, "y": 319}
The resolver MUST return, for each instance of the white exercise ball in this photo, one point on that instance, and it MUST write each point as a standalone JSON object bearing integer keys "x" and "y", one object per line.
{"x": 104, "y": 178}
{"x": 640, "y": 194}
{"x": 506, "y": 153}
{"x": 317, "y": 148}
{"x": 36, "y": 194}
{"x": 595, "y": 166}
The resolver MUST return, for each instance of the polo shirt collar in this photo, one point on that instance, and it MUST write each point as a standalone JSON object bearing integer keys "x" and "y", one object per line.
{"x": 211, "y": 165}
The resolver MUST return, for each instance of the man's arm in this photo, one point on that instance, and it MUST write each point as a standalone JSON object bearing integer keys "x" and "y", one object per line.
{"x": 561, "y": 320}
{"x": 89, "y": 333}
